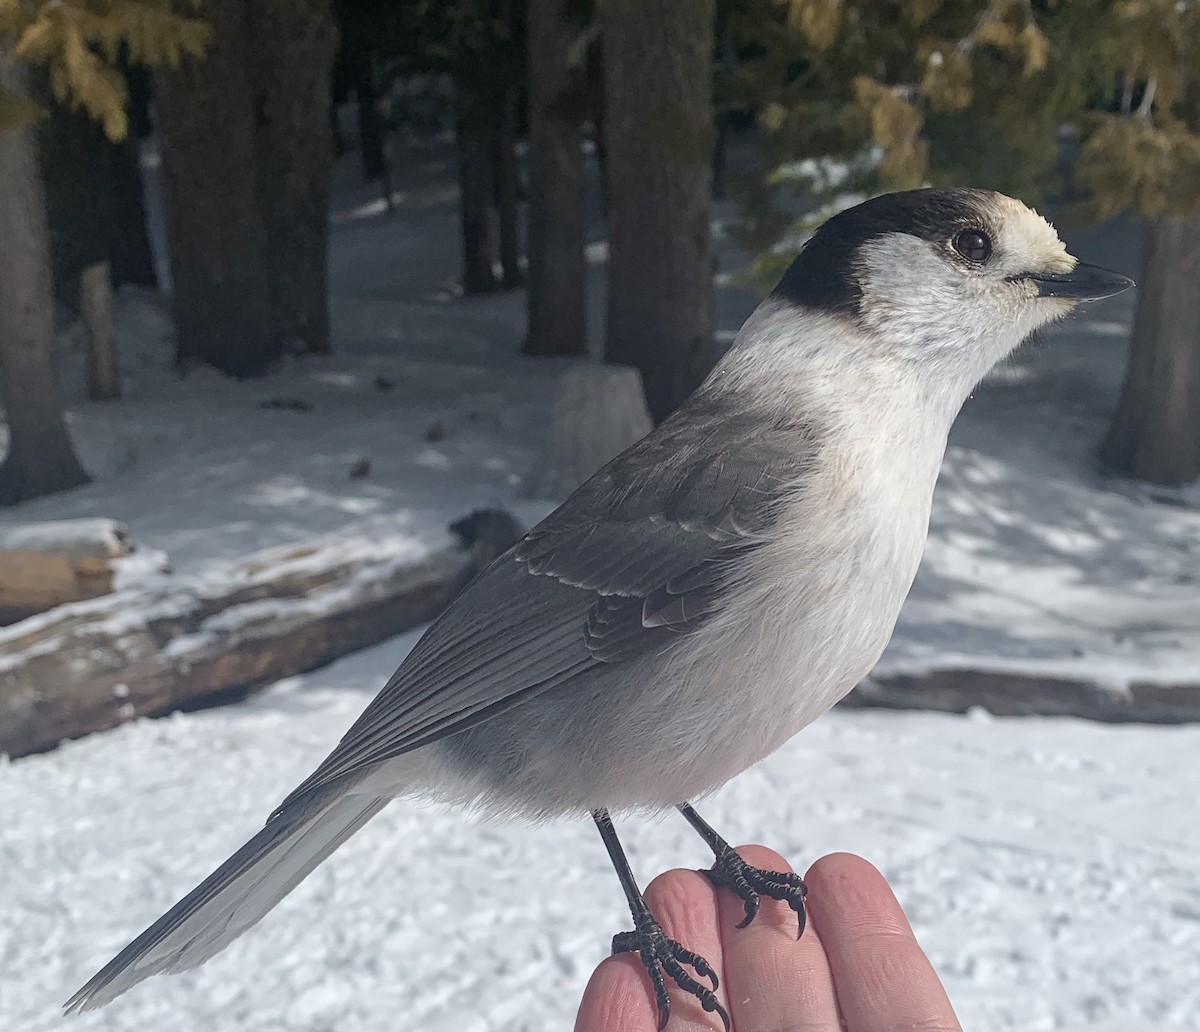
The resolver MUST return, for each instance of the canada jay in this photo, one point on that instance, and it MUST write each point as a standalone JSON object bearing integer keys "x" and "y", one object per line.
{"x": 705, "y": 595}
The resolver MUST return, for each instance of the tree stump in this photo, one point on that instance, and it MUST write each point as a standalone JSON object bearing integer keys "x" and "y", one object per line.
{"x": 599, "y": 411}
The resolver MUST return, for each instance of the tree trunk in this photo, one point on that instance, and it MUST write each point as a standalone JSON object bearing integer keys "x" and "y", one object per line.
{"x": 1155, "y": 431}
{"x": 473, "y": 137}
{"x": 215, "y": 226}
{"x": 293, "y": 43}
{"x": 246, "y": 169}
{"x": 130, "y": 253}
{"x": 659, "y": 136}
{"x": 508, "y": 192}
{"x": 556, "y": 234}
{"x": 593, "y": 72}
{"x": 370, "y": 126}
{"x": 40, "y": 458}
{"x": 94, "y": 202}
{"x": 72, "y": 149}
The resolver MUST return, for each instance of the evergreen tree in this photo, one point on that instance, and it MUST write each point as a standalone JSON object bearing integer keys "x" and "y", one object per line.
{"x": 557, "y": 229}
{"x": 95, "y": 204}
{"x": 952, "y": 91}
{"x": 40, "y": 458}
{"x": 368, "y": 31}
{"x": 80, "y": 44}
{"x": 246, "y": 164}
{"x": 480, "y": 45}
{"x": 83, "y": 45}
{"x": 216, "y": 236}
{"x": 658, "y": 128}
{"x": 293, "y": 46}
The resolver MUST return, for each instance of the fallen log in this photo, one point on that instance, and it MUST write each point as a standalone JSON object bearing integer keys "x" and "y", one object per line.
{"x": 99, "y": 663}
{"x": 1012, "y": 693}
{"x": 43, "y": 565}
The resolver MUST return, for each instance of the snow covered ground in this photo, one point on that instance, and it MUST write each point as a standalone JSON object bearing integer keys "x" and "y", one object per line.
{"x": 1035, "y": 562}
{"x": 1049, "y": 866}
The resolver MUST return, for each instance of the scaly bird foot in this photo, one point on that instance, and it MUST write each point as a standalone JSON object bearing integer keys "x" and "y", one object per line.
{"x": 659, "y": 954}
{"x": 751, "y": 883}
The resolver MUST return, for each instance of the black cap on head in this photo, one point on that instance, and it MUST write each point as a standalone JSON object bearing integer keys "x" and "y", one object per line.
{"x": 824, "y": 276}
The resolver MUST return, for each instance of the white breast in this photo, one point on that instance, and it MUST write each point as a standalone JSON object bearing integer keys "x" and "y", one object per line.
{"x": 816, "y": 607}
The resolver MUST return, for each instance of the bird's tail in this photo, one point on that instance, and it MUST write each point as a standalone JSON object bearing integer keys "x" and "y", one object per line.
{"x": 238, "y": 893}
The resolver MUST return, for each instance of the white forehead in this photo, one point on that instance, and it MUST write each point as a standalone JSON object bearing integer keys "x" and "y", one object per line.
{"x": 1023, "y": 240}
{"x": 952, "y": 319}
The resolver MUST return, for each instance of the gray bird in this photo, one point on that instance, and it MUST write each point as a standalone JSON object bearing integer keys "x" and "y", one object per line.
{"x": 705, "y": 595}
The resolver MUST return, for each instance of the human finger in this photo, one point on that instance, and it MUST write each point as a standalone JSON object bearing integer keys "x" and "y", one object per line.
{"x": 774, "y": 980}
{"x": 882, "y": 978}
{"x": 620, "y": 996}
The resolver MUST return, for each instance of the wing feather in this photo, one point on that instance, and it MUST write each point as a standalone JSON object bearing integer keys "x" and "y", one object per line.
{"x": 639, "y": 555}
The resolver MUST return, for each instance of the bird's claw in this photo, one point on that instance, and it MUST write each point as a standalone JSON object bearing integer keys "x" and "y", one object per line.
{"x": 660, "y": 954}
{"x": 750, "y": 884}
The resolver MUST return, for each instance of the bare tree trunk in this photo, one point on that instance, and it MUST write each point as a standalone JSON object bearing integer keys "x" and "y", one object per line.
{"x": 293, "y": 43}
{"x": 130, "y": 253}
{"x": 215, "y": 227}
{"x": 1155, "y": 431}
{"x": 557, "y": 233}
{"x": 40, "y": 458}
{"x": 508, "y": 192}
{"x": 129, "y": 249}
{"x": 659, "y": 135}
{"x": 94, "y": 203}
{"x": 473, "y": 136}
{"x": 72, "y": 154}
{"x": 370, "y": 126}
{"x": 593, "y": 71}
{"x": 246, "y": 169}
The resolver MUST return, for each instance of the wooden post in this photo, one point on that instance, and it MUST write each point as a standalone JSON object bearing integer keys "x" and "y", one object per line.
{"x": 96, "y": 304}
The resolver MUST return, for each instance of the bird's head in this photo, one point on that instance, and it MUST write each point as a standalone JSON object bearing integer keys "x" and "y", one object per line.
{"x": 948, "y": 280}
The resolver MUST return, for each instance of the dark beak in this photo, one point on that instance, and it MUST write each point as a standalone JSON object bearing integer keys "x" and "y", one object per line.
{"x": 1084, "y": 282}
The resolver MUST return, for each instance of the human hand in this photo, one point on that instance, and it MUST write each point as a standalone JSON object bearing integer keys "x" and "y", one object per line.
{"x": 857, "y": 968}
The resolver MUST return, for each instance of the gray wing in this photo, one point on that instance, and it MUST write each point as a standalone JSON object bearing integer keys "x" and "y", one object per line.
{"x": 636, "y": 556}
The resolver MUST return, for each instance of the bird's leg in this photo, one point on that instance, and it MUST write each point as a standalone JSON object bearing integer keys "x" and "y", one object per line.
{"x": 750, "y": 883}
{"x": 657, "y": 953}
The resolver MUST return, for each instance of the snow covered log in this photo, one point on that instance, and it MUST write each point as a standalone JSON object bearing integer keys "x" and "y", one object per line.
{"x": 99, "y": 663}
{"x": 43, "y": 565}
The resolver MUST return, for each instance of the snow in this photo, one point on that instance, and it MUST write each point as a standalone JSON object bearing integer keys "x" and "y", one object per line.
{"x": 105, "y": 536}
{"x": 211, "y": 470}
{"x": 1049, "y": 865}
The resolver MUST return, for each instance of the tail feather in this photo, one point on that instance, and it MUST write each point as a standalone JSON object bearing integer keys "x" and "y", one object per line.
{"x": 237, "y": 894}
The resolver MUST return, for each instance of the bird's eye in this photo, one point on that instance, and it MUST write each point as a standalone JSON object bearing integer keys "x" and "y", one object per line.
{"x": 973, "y": 245}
